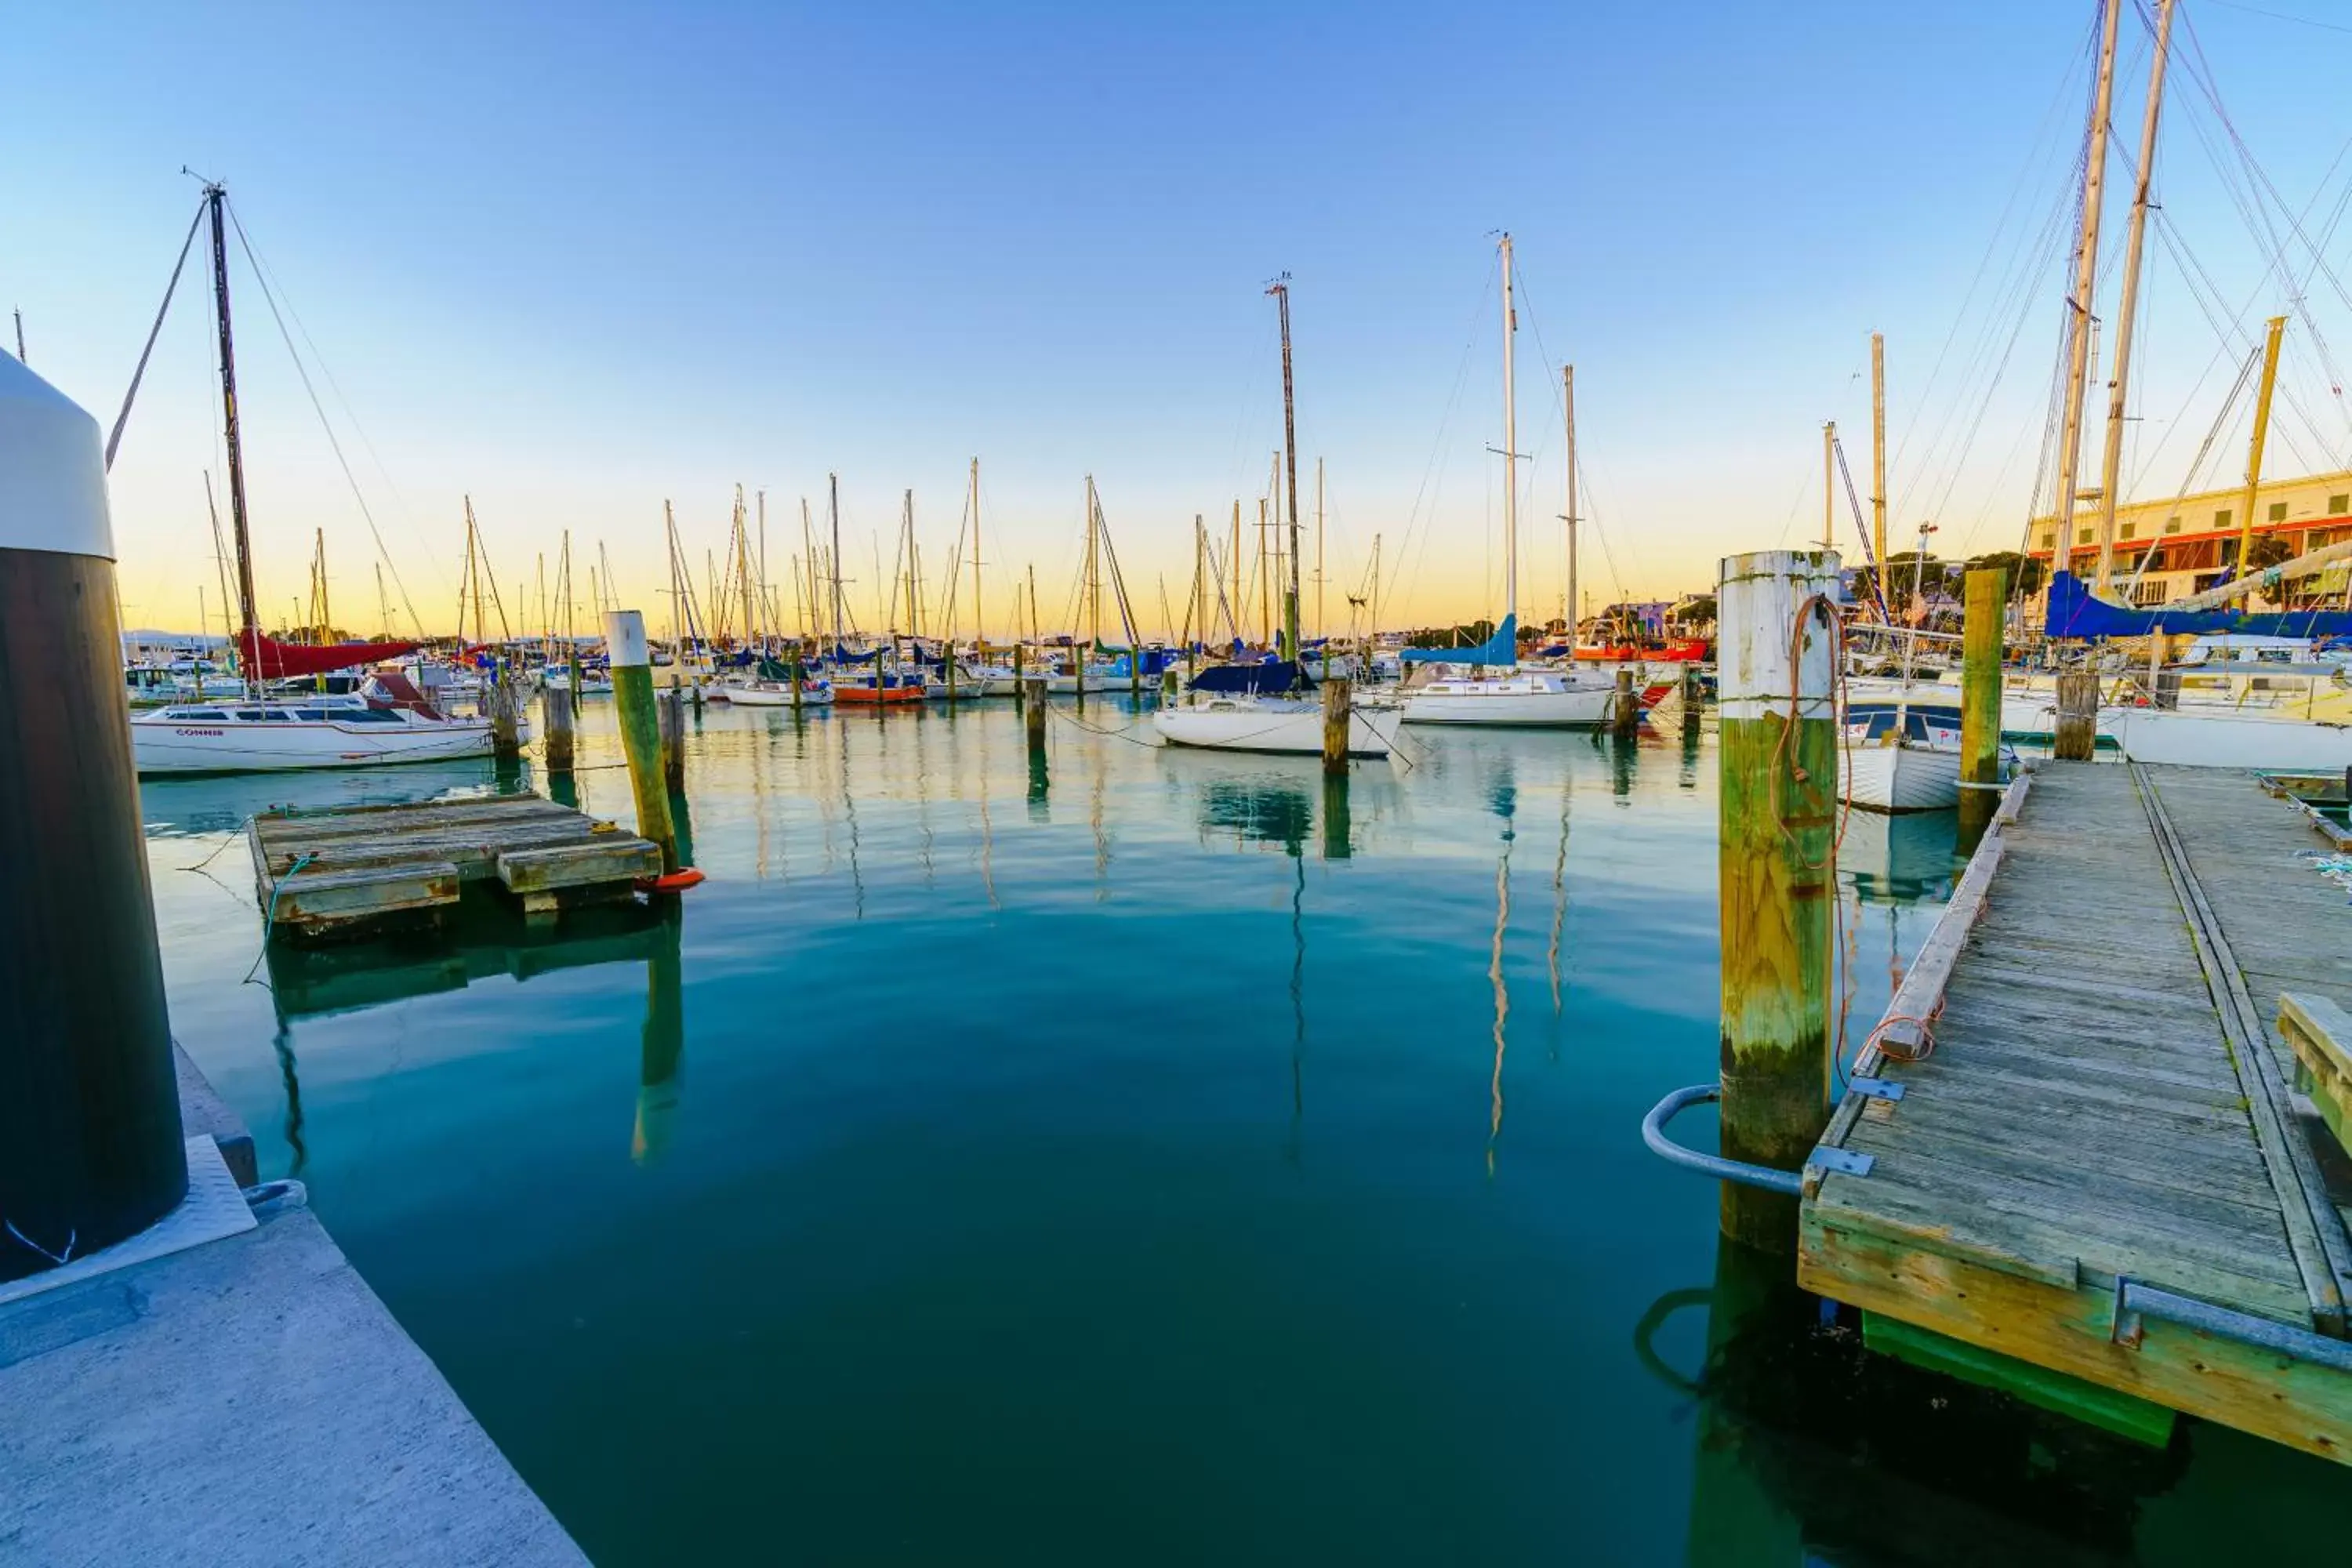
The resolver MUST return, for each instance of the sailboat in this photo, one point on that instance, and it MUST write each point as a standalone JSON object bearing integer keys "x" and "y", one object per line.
{"x": 870, "y": 684}
{"x": 1510, "y": 695}
{"x": 1255, "y": 720}
{"x": 387, "y": 720}
{"x": 2190, "y": 735}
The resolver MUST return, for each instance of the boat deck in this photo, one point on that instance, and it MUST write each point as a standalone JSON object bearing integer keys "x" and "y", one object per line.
{"x": 2106, "y": 1097}
{"x": 349, "y": 871}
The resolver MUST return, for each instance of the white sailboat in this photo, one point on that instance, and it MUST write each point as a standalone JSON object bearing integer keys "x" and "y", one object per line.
{"x": 387, "y": 720}
{"x": 1250, "y": 720}
{"x": 1511, "y": 696}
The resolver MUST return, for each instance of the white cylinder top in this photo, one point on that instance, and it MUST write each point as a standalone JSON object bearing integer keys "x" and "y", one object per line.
{"x": 52, "y": 470}
{"x": 624, "y": 638}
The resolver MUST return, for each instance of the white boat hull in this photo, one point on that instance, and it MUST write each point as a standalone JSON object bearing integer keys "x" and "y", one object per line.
{"x": 2193, "y": 740}
{"x": 1280, "y": 727}
{"x": 185, "y": 748}
{"x": 812, "y": 696}
{"x": 1568, "y": 708}
{"x": 1898, "y": 778}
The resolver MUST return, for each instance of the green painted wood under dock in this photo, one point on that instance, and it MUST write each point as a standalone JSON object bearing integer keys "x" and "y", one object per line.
{"x": 2109, "y": 1096}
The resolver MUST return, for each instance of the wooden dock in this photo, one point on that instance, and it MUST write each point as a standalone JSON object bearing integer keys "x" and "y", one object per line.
{"x": 352, "y": 869}
{"x": 2107, "y": 1096}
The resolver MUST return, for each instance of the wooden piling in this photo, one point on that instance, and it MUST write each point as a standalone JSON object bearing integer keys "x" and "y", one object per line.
{"x": 1775, "y": 869}
{"x": 2076, "y": 733}
{"x": 1694, "y": 698}
{"x": 1980, "y": 656}
{"x": 1335, "y": 728}
{"x": 633, "y": 703}
{"x": 1626, "y": 712}
{"x": 555, "y": 717}
{"x": 504, "y": 701}
{"x": 673, "y": 738}
{"x": 1034, "y": 711}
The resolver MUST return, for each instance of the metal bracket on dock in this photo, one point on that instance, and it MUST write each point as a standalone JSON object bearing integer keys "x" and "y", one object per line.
{"x": 1875, "y": 1088}
{"x": 2135, "y": 1301}
{"x": 1654, "y": 1133}
{"x": 1845, "y": 1161}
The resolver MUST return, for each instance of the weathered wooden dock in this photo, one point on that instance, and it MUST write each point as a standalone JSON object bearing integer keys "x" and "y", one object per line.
{"x": 2102, "y": 1121}
{"x": 352, "y": 869}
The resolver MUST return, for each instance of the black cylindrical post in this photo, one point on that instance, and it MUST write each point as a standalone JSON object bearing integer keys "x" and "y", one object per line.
{"x": 90, "y": 1149}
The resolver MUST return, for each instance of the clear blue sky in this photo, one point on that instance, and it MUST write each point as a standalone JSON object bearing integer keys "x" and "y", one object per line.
{"x": 577, "y": 259}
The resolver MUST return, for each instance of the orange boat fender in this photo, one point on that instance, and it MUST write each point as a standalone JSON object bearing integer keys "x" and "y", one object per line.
{"x": 675, "y": 881}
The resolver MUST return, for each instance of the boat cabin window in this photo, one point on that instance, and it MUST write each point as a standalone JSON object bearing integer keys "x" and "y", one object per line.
{"x": 250, "y": 715}
{"x": 194, "y": 713}
{"x": 310, "y": 715}
{"x": 366, "y": 716}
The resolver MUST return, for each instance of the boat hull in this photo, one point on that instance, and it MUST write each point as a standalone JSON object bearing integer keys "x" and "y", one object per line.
{"x": 879, "y": 696}
{"x": 1571, "y": 709}
{"x": 812, "y": 696}
{"x": 2186, "y": 739}
{"x": 1294, "y": 730}
{"x": 163, "y": 749}
{"x": 1898, "y": 778}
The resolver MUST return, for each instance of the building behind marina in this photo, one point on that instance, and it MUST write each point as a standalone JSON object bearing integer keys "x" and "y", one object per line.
{"x": 2171, "y": 548}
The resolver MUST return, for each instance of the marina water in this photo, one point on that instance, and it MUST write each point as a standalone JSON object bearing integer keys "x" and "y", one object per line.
{"x": 1161, "y": 1159}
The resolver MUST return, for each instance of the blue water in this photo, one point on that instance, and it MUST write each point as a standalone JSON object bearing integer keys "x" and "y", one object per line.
{"x": 1163, "y": 1161}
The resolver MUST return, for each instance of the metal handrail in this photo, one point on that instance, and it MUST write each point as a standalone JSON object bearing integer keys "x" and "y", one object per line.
{"x": 2134, "y": 1299}
{"x": 1654, "y": 1133}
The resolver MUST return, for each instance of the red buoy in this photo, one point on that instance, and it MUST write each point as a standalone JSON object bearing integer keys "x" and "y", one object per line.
{"x": 675, "y": 881}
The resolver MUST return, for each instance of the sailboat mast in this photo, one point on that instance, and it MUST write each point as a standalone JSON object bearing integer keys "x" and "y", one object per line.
{"x": 1877, "y": 451}
{"x": 1281, "y": 292}
{"x": 833, "y": 509}
{"x": 2111, "y": 462}
{"x": 1094, "y": 572}
{"x": 813, "y": 625}
{"x": 1322, "y": 621}
{"x": 1510, "y": 463}
{"x": 765, "y": 612}
{"x": 247, "y": 635}
{"x": 326, "y": 618}
{"x": 978, "y": 626}
{"x": 2086, "y": 279}
{"x": 2255, "y": 448}
{"x": 1828, "y": 493}
{"x": 1568, "y": 401}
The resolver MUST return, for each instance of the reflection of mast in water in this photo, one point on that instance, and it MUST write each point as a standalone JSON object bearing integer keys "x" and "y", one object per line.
{"x": 663, "y": 1044}
{"x": 923, "y": 791}
{"x": 1505, "y": 802}
{"x": 987, "y": 829}
{"x": 1298, "y": 1000}
{"x": 1102, "y": 844}
{"x": 758, "y": 738}
{"x": 849, "y": 810}
{"x": 1559, "y": 902}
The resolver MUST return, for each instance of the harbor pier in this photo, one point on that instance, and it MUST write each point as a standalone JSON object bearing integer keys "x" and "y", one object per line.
{"x": 2073, "y": 1160}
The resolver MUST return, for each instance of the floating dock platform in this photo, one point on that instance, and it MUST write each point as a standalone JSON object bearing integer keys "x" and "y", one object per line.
{"x": 2077, "y": 1163}
{"x": 350, "y": 870}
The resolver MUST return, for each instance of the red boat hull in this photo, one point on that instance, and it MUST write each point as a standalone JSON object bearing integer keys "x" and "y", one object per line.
{"x": 1682, "y": 650}
{"x": 876, "y": 696}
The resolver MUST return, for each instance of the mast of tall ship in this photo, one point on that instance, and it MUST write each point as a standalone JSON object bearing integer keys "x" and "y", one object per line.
{"x": 1568, "y": 398}
{"x": 2086, "y": 281}
{"x": 2112, "y": 459}
{"x": 1510, "y": 464}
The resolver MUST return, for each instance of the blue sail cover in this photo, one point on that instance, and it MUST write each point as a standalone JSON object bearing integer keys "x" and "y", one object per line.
{"x": 2075, "y": 611}
{"x": 1502, "y": 649}
{"x": 1274, "y": 675}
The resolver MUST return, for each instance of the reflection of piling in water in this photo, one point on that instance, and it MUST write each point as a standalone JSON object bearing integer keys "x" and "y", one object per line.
{"x": 1625, "y": 707}
{"x": 282, "y": 1043}
{"x": 1776, "y": 872}
{"x": 1032, "y": 714}
{"x": 633, "y": 703}
{"x": 563, "y": 789}
{"x": 662, "y": 1048}
{"x": 681, "y": 817}
{"x": 1625, "y": 757}
{"x": 1336, "y": 826}
{"x": 1793, "y": 1409}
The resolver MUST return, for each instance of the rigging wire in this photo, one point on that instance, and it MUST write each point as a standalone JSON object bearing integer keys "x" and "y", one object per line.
{"x": 271, "y": 296}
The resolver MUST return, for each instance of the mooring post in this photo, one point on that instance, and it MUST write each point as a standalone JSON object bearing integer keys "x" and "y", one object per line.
{"x": 1034, "y": 713}
{"x": 1019, "y": 680}
{"x": 796, "y": 678}
{"x": 556, "y": 714}
{"x": 1168, "y": 683}
{"x": 1625, "y": 709}
{"x": 697, "y": 700}
{"x": 673, "y": 738}
{"x": 1775, "y": 873}
{"x": 506, "y": 709}
{"x": 1980, "y": 656}
{"x": 1694, "y": 698}
{"x": 1335, "y": 728}
{"x": 90, "y": 1149}
{"x": 633, "y": 702}
{"x": 2076, "y": 732}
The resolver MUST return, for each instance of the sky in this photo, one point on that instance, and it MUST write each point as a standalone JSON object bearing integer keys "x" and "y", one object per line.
{"x": 579, "y": 261}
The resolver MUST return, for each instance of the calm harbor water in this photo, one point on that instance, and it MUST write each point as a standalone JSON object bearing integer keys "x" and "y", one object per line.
{"x": 1162, "y": 1161}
